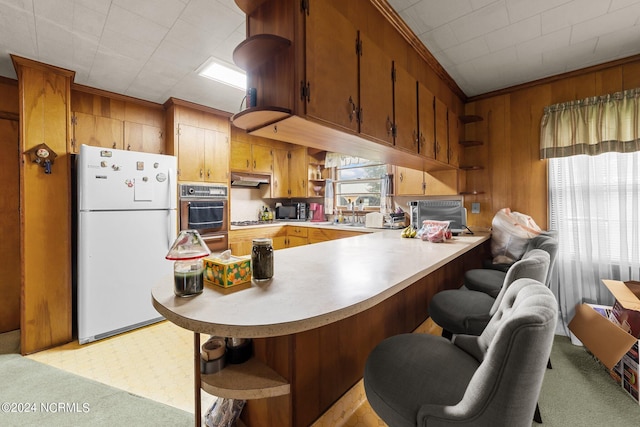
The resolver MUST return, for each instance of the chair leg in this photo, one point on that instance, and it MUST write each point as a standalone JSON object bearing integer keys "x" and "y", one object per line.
{"x": 536, "y": 416}
{"x": 447, "y": 334}
{"x": 549, "y": 364}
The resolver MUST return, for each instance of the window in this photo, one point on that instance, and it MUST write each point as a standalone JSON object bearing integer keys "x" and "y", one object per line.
{"x": 359, "y": 180}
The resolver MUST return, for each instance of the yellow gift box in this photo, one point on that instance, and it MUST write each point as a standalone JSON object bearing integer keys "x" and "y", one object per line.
{"x": 228, "y": 272}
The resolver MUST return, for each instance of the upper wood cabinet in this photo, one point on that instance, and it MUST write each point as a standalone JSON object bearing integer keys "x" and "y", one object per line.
{"x": 330, "y": 86}
{"x": 426, "y": 121}
{"x": 453, "y": 138}
{"x": 409, "y": 182}
{"x": 375, "y": 112}
{"x": 203, "y": 154}
{"x": 323, "y": 77}
{"x": 298, "y": 179}
{"x": 405, "y": 125}
{"x": 141, "y": 137}
{"x": 248, "y": 157}
{"x": 442, "y": 132}
{"x": 96, "y": 131}
{"x": 280, "y": 178}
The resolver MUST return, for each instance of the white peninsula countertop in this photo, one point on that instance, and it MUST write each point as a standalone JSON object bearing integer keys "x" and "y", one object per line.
{"x": 313, "y": 285}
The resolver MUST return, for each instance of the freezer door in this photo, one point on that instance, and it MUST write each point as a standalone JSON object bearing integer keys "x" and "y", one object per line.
{"x": 110, "y": 179}
{"x": 121, "y": 257}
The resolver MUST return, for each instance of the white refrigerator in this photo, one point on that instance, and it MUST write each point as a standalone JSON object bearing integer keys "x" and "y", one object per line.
{"x": 127, "y": 221}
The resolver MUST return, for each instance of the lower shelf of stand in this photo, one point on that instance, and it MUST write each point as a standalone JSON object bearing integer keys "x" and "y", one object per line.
{"x": 249, "y": 380}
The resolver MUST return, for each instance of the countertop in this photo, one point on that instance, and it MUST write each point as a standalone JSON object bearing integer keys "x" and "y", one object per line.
{"x": 313, "y": 285}
{"x": 323, "y": 224}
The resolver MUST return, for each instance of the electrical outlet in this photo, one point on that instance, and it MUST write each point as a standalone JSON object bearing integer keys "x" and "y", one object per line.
{"x": 475, "y": 207}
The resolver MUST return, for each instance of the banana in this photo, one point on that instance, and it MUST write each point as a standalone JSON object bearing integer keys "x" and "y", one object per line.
{"x": 408, "y": 232}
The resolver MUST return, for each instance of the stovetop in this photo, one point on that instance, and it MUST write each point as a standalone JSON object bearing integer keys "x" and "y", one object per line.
{"x": 252, "y": 222}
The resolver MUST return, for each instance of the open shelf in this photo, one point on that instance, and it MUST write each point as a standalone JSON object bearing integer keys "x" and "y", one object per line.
{"x": 258, "y": 49}
{"x": 249, "y": 380}
{"x": 471, "y": 168}
{"x": 248, "y": 6}
{"x": 258, "y": 117}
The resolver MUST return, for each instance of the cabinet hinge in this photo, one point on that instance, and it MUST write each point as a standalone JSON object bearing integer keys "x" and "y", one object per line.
{"x": 304, "y": 6}
{"x": 305, "y": 91}
{"x": 178, "y": 130}
{"x": 73, "y": 142}
{"x": 74, "y": 120}
{"x": 394, "y": 130}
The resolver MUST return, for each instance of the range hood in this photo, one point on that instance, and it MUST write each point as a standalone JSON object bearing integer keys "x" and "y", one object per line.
{"x": 240, "y": 179}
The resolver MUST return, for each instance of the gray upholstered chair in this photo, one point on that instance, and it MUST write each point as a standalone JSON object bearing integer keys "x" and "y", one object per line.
{"x": 489, "y": 380}
{"x": 462, "y": 311}
{"x": 489, "y": 279}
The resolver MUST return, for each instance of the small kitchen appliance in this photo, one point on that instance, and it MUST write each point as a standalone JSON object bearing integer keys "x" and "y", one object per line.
{"x": 293, "y": 211}
{"x": 317, "y": 212}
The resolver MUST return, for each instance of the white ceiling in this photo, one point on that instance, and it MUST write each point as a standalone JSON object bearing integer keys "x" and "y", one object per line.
{"x": 150, "y": 49}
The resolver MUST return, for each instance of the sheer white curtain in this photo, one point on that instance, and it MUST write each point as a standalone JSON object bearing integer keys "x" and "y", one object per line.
{"x": 594, "y": 204}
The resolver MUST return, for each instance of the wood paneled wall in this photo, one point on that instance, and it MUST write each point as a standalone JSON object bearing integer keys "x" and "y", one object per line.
{"x": 45, "y": 205}
{"x": 9, "y": 207}
{"x": 514, "y": 176}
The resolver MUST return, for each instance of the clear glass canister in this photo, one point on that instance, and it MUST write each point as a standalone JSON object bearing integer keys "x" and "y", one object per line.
{"x": 262, "y": 259}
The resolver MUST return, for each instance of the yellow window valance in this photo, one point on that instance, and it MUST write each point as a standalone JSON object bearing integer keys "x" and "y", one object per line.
{"x": 600, "y": 124}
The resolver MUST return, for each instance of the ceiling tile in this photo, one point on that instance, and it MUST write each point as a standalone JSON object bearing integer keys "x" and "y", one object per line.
{"x": 467, "y": 51}
{"x": 523, "y": 9}
{"x": 572, "y": 13}
{"x": 134, "y": 27}
{"x": 511, "y": 35}
{"x": 481, "y": 21}
{"x": 605, "y": 24}
{"x": 162, "y": 12}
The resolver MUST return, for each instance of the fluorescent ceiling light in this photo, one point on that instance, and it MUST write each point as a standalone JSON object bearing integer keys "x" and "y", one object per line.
{"x": 214, "y": 70}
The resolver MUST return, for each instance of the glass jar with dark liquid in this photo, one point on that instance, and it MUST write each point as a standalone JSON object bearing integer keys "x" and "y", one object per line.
{"x": 262, "y": 259}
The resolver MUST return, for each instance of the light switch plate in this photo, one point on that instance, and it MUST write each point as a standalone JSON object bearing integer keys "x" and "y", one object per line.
{"x": 475, "y": 207}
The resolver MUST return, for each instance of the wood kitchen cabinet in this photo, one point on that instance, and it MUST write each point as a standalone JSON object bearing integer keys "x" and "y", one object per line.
{"x": 409, "y": 182}
{"x": 426, "y": 122}
{"x": 331, "y": 67}
{"x": 376, "y": 107}
{"x": 96, "y": 131}
{"x": 453, "y": 139}
{"x": 142, "y": 137}
{"x": 282, "y": 236}
{"x": 289, "y": 172}
{"x": 203, "y": 154}
{"x": 441, "y": 132}
{"x": 248, "y": 157}
{"x": 405, "y": 108}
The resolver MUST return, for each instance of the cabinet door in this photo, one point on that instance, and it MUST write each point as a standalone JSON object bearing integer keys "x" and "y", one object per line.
{"x": 190, "y": 153}
{"x": 97, "y": 131}
{"x": 279, "y": 242}
{"x": 280, "y": 178}
{"x": 331, "y": 66}
{"x": 405, "y": 110}
{"x": 376, "y": 92}
{"x": 241, "y": 248}
{"x": 298, "y": 178}
{"x": 216, "y": 156}
{"x": 293, "y": 241}
{"x": 141, "y": 137}
{"x": 240, "y": 159}
{"x": 454, "y": 144}
{"x": 262, "y": 158}
{"x": 409, "y": 182}
{"x": 442, "y": 130}
{"x": 426, "y": 122}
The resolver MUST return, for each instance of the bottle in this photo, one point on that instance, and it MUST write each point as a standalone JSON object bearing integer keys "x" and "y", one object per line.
{"x": 262, "y": 259}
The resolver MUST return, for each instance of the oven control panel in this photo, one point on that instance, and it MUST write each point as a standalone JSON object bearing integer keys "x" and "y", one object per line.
{"x": 198, "y": 191}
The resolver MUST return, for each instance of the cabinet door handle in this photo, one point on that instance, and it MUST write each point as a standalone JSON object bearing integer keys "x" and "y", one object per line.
{"x": 247, "y": 163}
{"x": 401, "y": 177}
{"x": 254, "y": 164}
{"x": 389, "y": 126}
{"x": 208, "y": 173}
{"x": 352, "y": 108}
{"x": 114, "y": 144}
{"x": 201, "y": 173}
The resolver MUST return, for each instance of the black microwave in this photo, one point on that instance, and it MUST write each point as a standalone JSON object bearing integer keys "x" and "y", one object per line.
{"x": 294, "y": 211}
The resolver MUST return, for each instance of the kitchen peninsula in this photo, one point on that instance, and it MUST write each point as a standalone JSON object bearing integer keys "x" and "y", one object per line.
{"x": 316, "y": 321}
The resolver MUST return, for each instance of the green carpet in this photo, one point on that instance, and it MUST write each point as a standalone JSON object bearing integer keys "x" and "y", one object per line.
{"x": 35, "y": 394}
{"x": 578, "y": 391}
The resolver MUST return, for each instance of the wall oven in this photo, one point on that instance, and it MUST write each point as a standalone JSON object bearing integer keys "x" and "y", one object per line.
{"x": 205, "y": 207}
